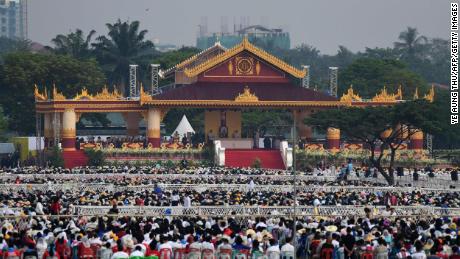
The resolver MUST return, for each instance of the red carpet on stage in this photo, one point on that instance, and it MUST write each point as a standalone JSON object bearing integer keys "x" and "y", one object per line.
{"x": 74, "y": 158}
{"x": 245, "y": 158}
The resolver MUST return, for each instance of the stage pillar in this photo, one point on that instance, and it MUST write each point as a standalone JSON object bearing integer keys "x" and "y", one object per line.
{"x": 333, "y": 139}
{"x": 416, "y": 140}
{"x": 69, "y": 120}
{"x": 48, "y": 129}
{"x": 132, "y": 123}
{"x": 153, "y": 127}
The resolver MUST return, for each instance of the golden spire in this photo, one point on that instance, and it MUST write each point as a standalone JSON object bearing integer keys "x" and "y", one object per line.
{"x": 84, "y": 95}
{"x": 350, "y": 96}
{"x": 38, "y": 96}
{"x": 106, "y": 95}
{"x": 383, "y": 96}
{"x": 416, "y": 93}
{"x": 399, "y": 94}
{"x": 430, "y": 96}
{"x": 56, "y": 95}
{"x": 143, "y": 96}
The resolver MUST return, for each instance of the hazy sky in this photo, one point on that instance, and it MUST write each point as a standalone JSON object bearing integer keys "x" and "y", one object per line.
{"x": 324, "y": 24}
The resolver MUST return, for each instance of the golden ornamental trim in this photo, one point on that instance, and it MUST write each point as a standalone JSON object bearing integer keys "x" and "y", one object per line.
{"x": 39, "y": 96}
{"x": 84, "y": 95}
{"x": 194, "y": 57}
{"x": 106, "y": 95}
{"x": 246, "y": 96}
{"x": 384, "y": 96}
{"x": 350, "y": 96}
{"x": 143, "y": 96}
{"x": 430, "y": 96}
{"x": 57, "y": 96}
{"x": 245, "y": 45}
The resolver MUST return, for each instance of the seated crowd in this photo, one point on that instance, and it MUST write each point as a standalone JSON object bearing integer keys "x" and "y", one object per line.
{"x": 195, "y": 237}
{"x": 41, "y": 223}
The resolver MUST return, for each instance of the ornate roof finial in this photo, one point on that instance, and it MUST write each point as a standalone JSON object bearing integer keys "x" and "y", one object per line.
{"x": 143, "y": 96}
{"x": 38, "y": 96}
{"x": 246, "y": 96}
{"x": 350, "y": 96}
{"x": 383, "y": 96}
{"x": 56, "y": 95}
{"x": 416, "y": 94}
{"x": 430, "y": 96}
{"x": 399, "y": 93}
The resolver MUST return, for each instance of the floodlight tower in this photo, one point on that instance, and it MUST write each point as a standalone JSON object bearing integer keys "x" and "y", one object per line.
{"x": 133, "y": 81}
{"x": 154, "y": 88}
{"x": 333, "y": 80}
{"x": 306, "y": 78}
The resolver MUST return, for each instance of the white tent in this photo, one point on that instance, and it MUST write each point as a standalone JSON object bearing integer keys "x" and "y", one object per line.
{"x": 183, "y": 128}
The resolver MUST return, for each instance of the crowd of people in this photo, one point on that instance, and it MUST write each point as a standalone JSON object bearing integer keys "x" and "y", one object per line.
{"x": 41, "y": 223}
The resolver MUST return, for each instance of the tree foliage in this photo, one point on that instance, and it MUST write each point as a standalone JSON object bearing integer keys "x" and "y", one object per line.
{"x": 74, "y": 44}
{"x": 368, "y": 125}
{"x": 369, "y": 75}
{"x": 22, "y": 70}
{"x": 3, "y": 125}
{"x": 125, "y": 44}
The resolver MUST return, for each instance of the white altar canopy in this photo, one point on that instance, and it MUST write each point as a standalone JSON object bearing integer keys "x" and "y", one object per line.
{"x": 183, "y": 128}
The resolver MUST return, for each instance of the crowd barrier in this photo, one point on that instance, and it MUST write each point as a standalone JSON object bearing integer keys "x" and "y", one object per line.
{"x": 269, "y": 211}
{"x": 103, "y": 187}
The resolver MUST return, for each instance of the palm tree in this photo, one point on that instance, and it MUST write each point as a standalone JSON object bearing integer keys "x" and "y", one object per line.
{"x": 410, "y": 43}
{"x": 124, "y": 45}
{"x": 74, "y": 44}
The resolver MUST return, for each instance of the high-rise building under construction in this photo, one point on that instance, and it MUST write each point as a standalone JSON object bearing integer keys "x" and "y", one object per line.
{"x": 13, "y": 19}
{"x": 258, "y": 34}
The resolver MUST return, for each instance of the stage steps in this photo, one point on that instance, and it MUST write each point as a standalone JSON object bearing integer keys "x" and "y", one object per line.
{"x": 269, "y": 158}
{"x": 74, "y": 158}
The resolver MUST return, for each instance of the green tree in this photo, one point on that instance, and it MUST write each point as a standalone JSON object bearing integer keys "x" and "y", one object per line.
{"x": 368, "y": 125}
{"x": 411, "y": 44}
{"x": 369, "y": 75}
{"x": 22, "y": 70}
{"x": 3, "y": 125}
{"x": 74, "y": 44}
{"x": 171, "y": 58}
{"x": 8, "y": 45}
{"x": 124, "y": 45}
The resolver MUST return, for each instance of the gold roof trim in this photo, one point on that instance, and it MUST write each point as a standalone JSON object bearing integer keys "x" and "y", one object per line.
{"x": 430, "y": 96}
{"x": 384, "y": 96}
{"x": 39, "y": 96}
{"x": 416, "y": 94}
{"x": 106, "y": 95}
{"x": 84, "y": 95}
{"x": 245, "y": 45}
{"x": 56, "y": 95}
{"x": 246, "y": 96}
{"x": 194, "y": 57}
{"x": 143, "y": 96}
{"x": 350, "y": 96}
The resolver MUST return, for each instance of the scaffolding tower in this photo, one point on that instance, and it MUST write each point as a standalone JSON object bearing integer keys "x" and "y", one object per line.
{"x": 306, "y": 78}
{"x": 155, "y": 89}
{"x": 133, "y": 92}
{"x": 429, "y": 143}
{"x": 333, "y": 80}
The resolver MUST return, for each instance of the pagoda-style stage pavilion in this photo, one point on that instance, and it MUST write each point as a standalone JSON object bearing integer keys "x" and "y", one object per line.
{"x": 223, "y": 82}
